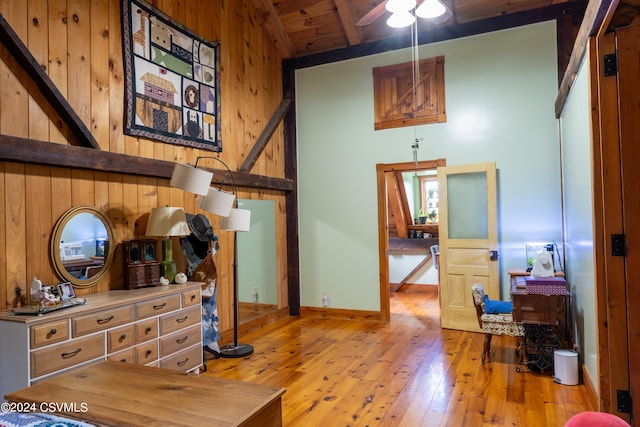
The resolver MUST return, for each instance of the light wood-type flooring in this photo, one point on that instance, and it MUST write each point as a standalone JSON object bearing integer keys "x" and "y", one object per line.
{"x": 409, "y": 372}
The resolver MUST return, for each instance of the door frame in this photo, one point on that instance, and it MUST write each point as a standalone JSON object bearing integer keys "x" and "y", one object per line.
{"x": 383, "y": 223}
{"x": 615, "y": 175}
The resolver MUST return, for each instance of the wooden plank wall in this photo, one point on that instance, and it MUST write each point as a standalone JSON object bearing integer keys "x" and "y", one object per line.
{"x": 78, "y": 43}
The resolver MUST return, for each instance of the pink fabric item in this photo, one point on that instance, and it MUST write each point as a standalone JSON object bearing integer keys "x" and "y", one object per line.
{"x": 596, "y": 419}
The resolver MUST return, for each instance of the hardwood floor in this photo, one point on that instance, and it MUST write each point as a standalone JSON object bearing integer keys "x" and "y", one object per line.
{"x": 409, "y": 372}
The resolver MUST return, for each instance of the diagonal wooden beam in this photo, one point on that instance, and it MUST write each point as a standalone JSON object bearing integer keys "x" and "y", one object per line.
{"x": 417, "y": 268}
{"x": 51, "y": 93}
{"x": 594, "y": 18}
{"x": 348, "y": 17}
{"x": 274, "y": 27}
{"x": 264, "y": 138}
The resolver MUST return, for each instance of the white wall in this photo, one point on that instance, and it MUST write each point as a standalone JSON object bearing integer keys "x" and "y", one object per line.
{"x": 578, "y": 199}
{"x": 500, "y": 93}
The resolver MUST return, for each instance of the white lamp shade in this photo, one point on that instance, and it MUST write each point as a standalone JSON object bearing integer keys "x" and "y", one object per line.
{"x": 431, "y": 9}
{"x": 400, "y": 5}
{"x": 192, "y": 179}
{"x": 167, "y": 221}
{"x": 217, "y": 201}
{"x": 401, "y": 19}
{"x": 238, "y": 220}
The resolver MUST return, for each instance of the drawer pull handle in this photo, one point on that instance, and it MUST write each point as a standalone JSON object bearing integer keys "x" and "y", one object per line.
{"x": 159, "y": 306}
{"x": 146, "y": 331}
{"x": 193, "y": 297}
{"x": 70, "y": 354}
{"x": 105, "y": 320}
{"x": 182, "y": 340}
{"x": 148, "y": 353}
{"x": 184, "y": 362}
{"x": 182, "y": 319}
{"x": 53, "y": 331}
{"x": 123, "y": 337}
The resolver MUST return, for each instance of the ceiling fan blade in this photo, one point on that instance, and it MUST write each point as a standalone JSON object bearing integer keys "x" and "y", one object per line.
{"x": 373, "y": 14}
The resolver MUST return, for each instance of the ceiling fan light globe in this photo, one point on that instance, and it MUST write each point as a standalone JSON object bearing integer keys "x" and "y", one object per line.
{"x": 394, "y": 6}
{"x": 401, "y": 19}
{"x": 431, "y": 9}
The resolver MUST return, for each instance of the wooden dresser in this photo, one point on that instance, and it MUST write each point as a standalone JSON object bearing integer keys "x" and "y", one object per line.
{"x": 159, "y": 326}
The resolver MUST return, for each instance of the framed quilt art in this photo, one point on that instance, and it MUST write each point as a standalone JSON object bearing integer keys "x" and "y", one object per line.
{"x": 172, "y": 80}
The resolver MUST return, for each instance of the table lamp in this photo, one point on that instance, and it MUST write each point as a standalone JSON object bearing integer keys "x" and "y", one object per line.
{"x": 167, "y": 222}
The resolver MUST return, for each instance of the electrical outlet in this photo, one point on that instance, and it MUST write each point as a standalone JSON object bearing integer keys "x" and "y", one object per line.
{"x": 325, "y": 299}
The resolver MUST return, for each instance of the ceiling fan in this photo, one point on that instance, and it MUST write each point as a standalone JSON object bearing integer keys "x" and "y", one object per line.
{"x": 430, "y": 9}
{"x": 373, "y": 15}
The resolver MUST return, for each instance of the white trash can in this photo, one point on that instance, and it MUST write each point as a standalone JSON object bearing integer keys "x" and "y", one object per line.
{"x": 565, "y": 367}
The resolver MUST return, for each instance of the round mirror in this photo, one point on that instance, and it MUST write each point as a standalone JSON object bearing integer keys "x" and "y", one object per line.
{"x": 80, "y": 246}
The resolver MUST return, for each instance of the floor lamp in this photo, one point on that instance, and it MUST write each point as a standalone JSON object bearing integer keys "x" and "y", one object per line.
{"x": 216, "y": 201}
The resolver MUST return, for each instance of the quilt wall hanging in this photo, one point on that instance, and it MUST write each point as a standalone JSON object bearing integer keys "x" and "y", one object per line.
{"x": 172, "y": 80}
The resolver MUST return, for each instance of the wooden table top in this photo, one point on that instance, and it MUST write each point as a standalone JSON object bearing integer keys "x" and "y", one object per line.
{"x": 124, "y": 394}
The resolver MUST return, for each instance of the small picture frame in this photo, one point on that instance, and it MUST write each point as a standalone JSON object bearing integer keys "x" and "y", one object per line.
{"x": 65, "y": 290}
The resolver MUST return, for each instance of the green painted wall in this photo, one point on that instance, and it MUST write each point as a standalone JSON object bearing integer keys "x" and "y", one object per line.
{"x": 500, "y": 94}
{"x": 578, "y": 200}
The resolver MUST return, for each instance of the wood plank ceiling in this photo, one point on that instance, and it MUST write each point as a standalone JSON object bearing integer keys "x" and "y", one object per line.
{"x": 302, "y": 28}
{"x": 307, "y": 27}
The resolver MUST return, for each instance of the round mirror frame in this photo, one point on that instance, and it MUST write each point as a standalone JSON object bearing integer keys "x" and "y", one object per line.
{"x": 55, "y": 246}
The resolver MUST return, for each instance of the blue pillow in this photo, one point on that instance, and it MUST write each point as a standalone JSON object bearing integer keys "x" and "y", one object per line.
{"x": 496, "y": 307}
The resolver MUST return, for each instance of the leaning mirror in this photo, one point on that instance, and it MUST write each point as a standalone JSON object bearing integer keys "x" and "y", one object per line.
{"x": 80, "y": 246}
{"x": 257, "y": 276}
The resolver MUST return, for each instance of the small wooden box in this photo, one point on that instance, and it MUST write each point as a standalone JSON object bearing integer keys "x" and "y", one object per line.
{"x": 140, "y": 263}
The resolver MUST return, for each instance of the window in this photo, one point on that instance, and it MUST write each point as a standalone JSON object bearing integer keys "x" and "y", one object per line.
{"x": 428, "y": 199}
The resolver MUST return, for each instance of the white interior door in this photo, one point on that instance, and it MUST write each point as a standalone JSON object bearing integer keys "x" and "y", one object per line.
{"x": 468, "y": 241}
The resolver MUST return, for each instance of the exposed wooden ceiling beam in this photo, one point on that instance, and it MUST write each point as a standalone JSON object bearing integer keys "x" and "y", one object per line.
{"x": 348, "y": 17}
{"x": 58, "y": 102}
{"x": 272, "y": 24}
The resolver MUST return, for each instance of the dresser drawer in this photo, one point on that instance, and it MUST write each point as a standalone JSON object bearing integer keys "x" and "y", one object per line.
{"x": 180, "y": 340}
{"x": 191, "y": 297}
{"x": 147, "y": 353}
{"x": 83, "y": 325}
{"x": 185, "y": 360}
{"x": 125, "y": 356}
{"x": 185, "y": 318}
{"x": 146, "y": 330}
{"x": 67, "y": 354}
{"x": 157, "y": 306}
{"x": 49, "y": 333}
{"x": 120, "y": 338}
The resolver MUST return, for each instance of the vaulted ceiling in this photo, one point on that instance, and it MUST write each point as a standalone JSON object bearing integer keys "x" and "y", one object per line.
{"x": 307, "y": 27}
{"x": 316, "y": 31}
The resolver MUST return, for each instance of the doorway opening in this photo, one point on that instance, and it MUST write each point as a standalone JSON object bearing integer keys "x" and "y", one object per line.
{"x": 399, "y": 219}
